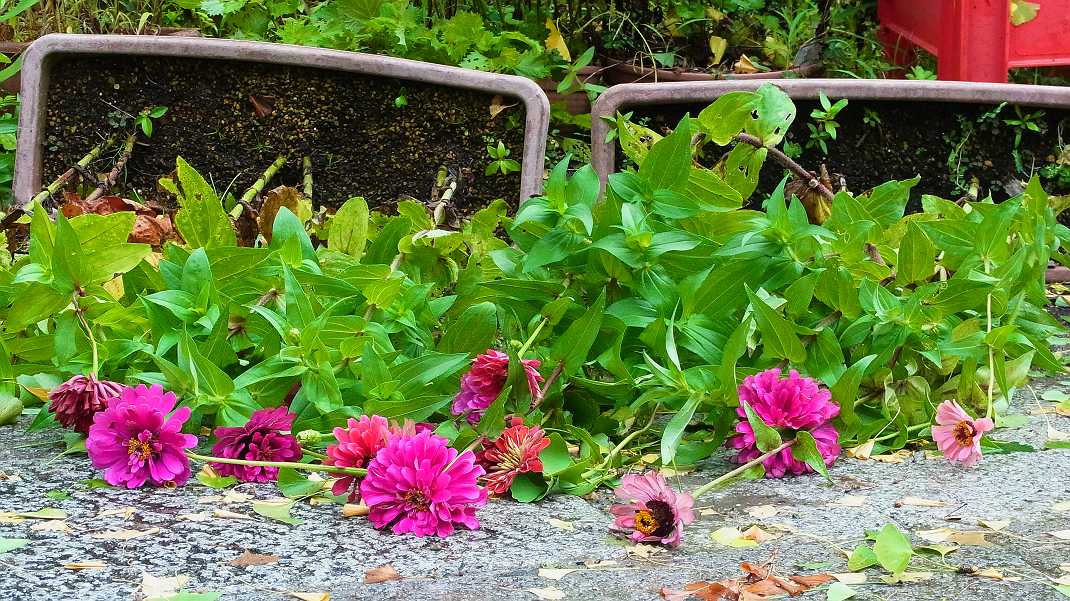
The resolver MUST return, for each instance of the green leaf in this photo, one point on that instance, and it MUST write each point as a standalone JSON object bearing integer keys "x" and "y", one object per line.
{"x": 725, "y": 119}
{"x": 805, "y": 450}
{"x": 278, "y": 511}
{"x": 669, "y": 160}
{"x": 216, "y": 482}
{"x": 492, "y": 422}
{"x": 861, "y": 558}
{"x": 674, "y": 430}
{"x": 778, "y": 334}
{"x": 10, "y": 408}
{"x": 766, "y": 438}
{"x": 473, "y": 332}
{"x": 572, "y": 346}
{"x": 295, "y": 485}
{"x": 528, "y": 487}
{"x": 916, "y": 259}
{"x": 892, "y": 549}
{"x": 10, "y": 544}
{"x": 349, "y": 228}
{"x": 838, "y": 591}
{"x": 555, "y": 457}
{"x": 201, "y": 219}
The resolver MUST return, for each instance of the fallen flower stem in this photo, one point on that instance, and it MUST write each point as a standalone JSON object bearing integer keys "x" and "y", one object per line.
{"x": 113, "y": 175}
{"x": 306, "y": 167}
{"x": 712, "y": 484}
{"x": 312, "y": 467}
{"x": 60, "y": 181}
{"x": 810, "y": 179}
{"x": 258, "y": 185}
{"x": 623, "y": 443}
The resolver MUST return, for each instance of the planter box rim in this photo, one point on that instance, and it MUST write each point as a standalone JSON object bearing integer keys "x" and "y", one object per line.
{"x": 28, "y": 160}
{"x": 630, "y": 95}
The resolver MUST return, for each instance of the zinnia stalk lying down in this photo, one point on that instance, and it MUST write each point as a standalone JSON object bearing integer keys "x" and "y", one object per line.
{"x": 419, "y": 484}
{"x": 653, "y": 512}
{"x": 134, "y": 441}
{"x": 792, "y": 403}
{"x": 957, "y": 435}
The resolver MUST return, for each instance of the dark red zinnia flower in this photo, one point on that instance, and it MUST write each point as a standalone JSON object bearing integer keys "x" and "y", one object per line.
{"x": 514, "y": 452}
{"x": 76, "y": 401}
{"x": 265, "y": 437}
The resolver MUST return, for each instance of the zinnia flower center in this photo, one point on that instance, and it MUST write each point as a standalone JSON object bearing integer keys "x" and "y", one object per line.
{"x": 417, "y": 500}
{"x": 657, "y": 519}
{"x": 141, "y": 448}
{"x": 964, "y": 433}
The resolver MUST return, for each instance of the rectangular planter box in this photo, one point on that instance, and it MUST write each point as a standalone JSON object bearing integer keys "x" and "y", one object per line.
{"x": 42, "y": 55}
{"x": 624, "y": 98}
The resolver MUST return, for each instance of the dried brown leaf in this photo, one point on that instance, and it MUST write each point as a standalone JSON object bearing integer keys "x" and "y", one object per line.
{"x": 85, "y": 565}
{"x": 381, "y": 574}
{"x": 248, "y": 558}
{"x": 262, "y": 105}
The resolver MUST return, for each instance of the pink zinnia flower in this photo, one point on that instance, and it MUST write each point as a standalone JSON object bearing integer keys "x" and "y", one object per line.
{"x": 484, "y": 382}
{"x": 957, "y": 435}
{"x": 514, "y": 452}
{"x": 653, "y": 512}
{"x": 357, "y": 445}
{"x": 134, "y": 441}
{"x": 76, "y": 401}
{"x": 419, "y": 484}
{"x": 792, "y": 403}
{"x": 262, "y": 438}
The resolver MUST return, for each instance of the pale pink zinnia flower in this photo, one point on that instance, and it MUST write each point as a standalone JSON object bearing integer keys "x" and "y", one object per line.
{"x": 357, "y": 445}
{"x": 792, "y": 403}
{"x": 419, "y": 484}
{"x": 514, "y": 452}
{"x": 76, "y": 401}
{"x": 134, "y": 441}
{"x": 957, "y": 435}
{"x": 653, "y": 512}
{"x": 265, "y": 437}
{"x": 484, "y": 382}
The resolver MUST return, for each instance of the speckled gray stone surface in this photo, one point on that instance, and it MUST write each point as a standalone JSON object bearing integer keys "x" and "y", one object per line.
{"x": 331, "y": 553}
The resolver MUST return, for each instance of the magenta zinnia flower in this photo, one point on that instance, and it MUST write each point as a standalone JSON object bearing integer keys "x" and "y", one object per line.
{"x": 134, "y": 441}
{"x": 357, "y": 445}
{"x": 653, "y": 512}
{"x": 957, "y": 435}
{"x": 514, "y": 452}
{"x": 484, "y": 382}
{"x": 76, "y": 401}
{"x": 792, "y": 403}
{"x": 262, "y": 438}
{"x": 419, "y": 484}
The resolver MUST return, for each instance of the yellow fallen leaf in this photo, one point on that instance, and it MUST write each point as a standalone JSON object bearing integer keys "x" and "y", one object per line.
{"x": 547, "y": 594}
{"x": 919, "y": 502}
{"x": 155, "y": 587}
{"x": 862, "y": 451}
{"x": 555, "y": 573}
{"x": 126, "y": 512}
{"x": 732, "y": 537}
{"x": 762, "y": 511}
{"x": 51, "y": 526}
{"x": 650, "y": 457}
{"x": 907, "y": 577}
{"x": 1061, "y": 534}
{"x": 555, "y": 41}
{"x": 849, "y": 501}
{"x": 311, "y": 596}
{"x": 85, "y": 565}
{"x": 994, "y": 574}
{"x": 230, "y": 515}
{"x": 758, "y": 535}
{"x": 893, "y": 458}
{"x": 745, "y": 65}
{"x": 40, "y": 393}
{"x": 717, "y": 47}
{"x": 850, "y": 578}
{"x": 125, "y": 534}
{"x": 556, "y": 523}
{"x": 1062, "y": 580}
{"x": 381, "y": 574}
{"x": 231, "y": 496}
{"x": 643, "y": 551}
{"x": 996, "y": 525}
{"x": 195, "y": 517}
{"x": 960, "y": 537}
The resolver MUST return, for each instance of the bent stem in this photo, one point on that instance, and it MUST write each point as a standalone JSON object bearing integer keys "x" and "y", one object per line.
{"x": 311, "y": 467}
{"x": 789, "y": 164}
{"x": 712, "y": 484}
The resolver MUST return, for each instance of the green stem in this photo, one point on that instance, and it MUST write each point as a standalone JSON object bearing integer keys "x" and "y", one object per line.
{"x": 80, "y": 313}
{"x": 712, "y": 484}
{"x": 990, "y": 411}
{"x": 68, "y": 174}
{"x": 312, "y": 467}
{"x": 914, "y": 428}
{"x": 258, "y": 185}
{"x": 623, "y": 443}
{"x": 531, "y": 339}
{"x": 306, "y": 165}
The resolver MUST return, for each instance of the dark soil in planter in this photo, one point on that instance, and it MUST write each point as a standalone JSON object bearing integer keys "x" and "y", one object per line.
{"x": 360, "y": 142}
{"x": 914, "y": 138}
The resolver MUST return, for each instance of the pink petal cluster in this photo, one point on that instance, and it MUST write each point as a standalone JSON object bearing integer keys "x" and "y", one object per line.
{"x": 134, "y": 441}
{"x": 265, "y": 437}
{"x": 419, "y": 484}
{"x": 357, "y": 445}
{"x": 957, "y": 435}
{"x": 76, "y": 401}
{"x": 515, "y": 452}
{"x": 484, "y": 382}
{"x": 653, "y": 512}
{"x": 792, "y": 403}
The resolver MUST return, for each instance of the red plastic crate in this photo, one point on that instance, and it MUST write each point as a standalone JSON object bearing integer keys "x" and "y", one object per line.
{"x": 973, "y": 40}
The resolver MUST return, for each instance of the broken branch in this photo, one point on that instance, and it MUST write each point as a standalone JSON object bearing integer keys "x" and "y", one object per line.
{"x": 258, "y": 185}
{"x": 113, "y": 175}
{"x": 808, "y": 177}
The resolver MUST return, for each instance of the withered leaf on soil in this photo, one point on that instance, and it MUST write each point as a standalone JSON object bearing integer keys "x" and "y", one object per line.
{"x": 276, "y": 198}
{"x": 262, "y": 105}
{"x": 248, "y": 558}
{"x": 381, "y": 574}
